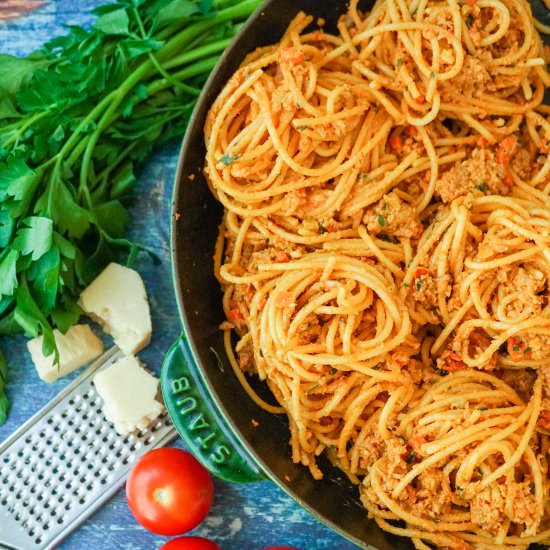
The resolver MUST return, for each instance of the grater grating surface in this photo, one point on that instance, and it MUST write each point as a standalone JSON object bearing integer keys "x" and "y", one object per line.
{"x": 65, "y": 462}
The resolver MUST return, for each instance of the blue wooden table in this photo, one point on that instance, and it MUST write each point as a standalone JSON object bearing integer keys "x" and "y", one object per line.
{"x": 246, "y": 517}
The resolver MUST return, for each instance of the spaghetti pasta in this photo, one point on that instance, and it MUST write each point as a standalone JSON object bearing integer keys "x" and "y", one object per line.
{"x": 385, "y": 259}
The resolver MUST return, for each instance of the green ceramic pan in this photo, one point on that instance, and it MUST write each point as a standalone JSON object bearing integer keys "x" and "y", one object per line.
{"x": 209, "y": 408}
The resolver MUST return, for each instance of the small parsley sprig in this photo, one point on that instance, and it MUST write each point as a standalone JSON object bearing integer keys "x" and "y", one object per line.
{"x": 77, "y": 120}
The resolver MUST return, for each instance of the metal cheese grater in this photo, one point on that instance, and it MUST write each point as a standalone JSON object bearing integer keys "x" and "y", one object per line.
{"x": 65, "y": 462}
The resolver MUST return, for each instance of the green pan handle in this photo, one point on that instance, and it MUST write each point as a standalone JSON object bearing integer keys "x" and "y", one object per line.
{"x": 198, "y": 420}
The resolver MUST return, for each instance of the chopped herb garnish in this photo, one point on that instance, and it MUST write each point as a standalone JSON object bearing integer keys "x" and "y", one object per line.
{"x": 443, "y": 372}
{"x": 362, "y": 176}
{"x": 227, "y": 159}
{"x": 381, "y": 220}
{"x": 378, "y": 366}
{"x": 410, "y": 457}
{"x": 527, "y": 349}
{"x": 503, "y": 350}
{"x": 302, "y": 128}
{"x": 314, "y": 387}
{"x": 418, "y": 283}
{"x": 322, "y": 228}
{"x": 402, "y": 437}
{"x": 332, "y": 371}
{"x": 469, "y": 20}
{"x": 483, "y": 408}
{"x": 515, "y": 347}
{"x": 432, "y": 75}
{"x": 481, "y": 187}
{"x": 399, "y": 62}
{"x": 479, "y": 471}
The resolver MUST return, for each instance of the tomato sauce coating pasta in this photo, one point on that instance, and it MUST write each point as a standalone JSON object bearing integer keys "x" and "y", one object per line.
{"x": 385, "y": 258}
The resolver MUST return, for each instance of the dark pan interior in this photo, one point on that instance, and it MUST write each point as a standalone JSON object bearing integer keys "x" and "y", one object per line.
{"x": 333, "y": 500}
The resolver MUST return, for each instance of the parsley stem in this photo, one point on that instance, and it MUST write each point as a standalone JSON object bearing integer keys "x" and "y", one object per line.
{"x": 103, "y": 176}
{"x": 241, "y": 10}
{"x": 198, "y": 53}
{"x": 152, "y": 57}
{"x": 204, "y": 66}
{"x": 174, "y": 45}
{"x": 23, "y": 128}
{"x": 77, "y": 133}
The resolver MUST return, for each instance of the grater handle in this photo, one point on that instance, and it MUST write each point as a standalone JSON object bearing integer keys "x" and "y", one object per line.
{"x": 199, "y": 421}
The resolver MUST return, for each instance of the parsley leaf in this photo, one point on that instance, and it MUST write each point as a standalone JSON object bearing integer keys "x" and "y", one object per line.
{"x": 68, "y": 215}
{"x": 482, "y": 187}
{"x": 112, "y": 217}
{"x": 113, "y": 22}
{"x": 78, "y": 118}
{"x": 227, "y": 159}
{"x": 18, "y": 181}
{"x": 311, "y": 389}
{"x": 45, "y": 276}
{"x": 18, "y": 71}
{"x": 135, "y": 47}
{"x": 8, "y": 272}
{"x": 35, "y": 237}
{"x": 410, "y": 458}
{"x": 7, "y": 226}
{"x": 176, "y": 11}
{"x": 381, "y": 220}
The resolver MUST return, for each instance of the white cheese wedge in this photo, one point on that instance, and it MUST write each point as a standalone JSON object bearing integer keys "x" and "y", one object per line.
{"x": 129, "y": 395}
{"x": 78, "y": 346}
{"x": 117, "y": 300}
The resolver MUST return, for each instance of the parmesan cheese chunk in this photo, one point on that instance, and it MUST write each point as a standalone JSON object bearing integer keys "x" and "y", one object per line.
{"x": 117, "y": 300}
{"x": 129, "y": 395}
{"x": 78, "y": 346}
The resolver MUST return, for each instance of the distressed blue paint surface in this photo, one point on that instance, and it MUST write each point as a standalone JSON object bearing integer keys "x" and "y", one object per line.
{"x": 246, "y": 517}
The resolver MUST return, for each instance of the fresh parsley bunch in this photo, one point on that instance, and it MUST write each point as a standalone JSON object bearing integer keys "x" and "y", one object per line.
{"x": 77, "y": 119}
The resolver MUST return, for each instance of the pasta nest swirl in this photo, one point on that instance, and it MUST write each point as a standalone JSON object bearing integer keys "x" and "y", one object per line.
{"x": 330, "y": 310}
{"x": 480, "y": 62}
{"x": 329, "y": 335}
{"x": 489, "y": 262}
{"x": 461, "y": 467}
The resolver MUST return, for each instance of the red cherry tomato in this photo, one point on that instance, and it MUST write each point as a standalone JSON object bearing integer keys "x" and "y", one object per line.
{"x": 190, "y": 543}
{"x": 169, "y": 491}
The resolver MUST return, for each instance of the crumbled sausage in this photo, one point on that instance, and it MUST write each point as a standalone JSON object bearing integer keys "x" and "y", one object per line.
{"x": 393, "y": 216}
